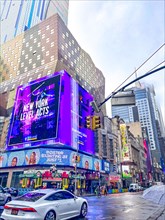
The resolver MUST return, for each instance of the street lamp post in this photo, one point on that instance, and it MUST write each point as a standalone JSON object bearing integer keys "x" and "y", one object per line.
{"x": 75, "y": 180}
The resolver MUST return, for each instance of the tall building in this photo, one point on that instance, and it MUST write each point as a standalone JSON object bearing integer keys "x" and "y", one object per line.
{"x": 144, "y": 101}
{"x": 123, "y": 105}
{"x": 42, "y": 50}
{"x": 46, "y": 48}
{"x": 19, "y": 16}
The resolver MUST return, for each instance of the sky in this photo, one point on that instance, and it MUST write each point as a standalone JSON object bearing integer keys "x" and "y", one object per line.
{"x": 119, "y": 36}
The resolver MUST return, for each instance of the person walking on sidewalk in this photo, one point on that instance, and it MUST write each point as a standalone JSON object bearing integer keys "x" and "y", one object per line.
{"x": 98, "y": 191}
{"x": 105, "y": 191}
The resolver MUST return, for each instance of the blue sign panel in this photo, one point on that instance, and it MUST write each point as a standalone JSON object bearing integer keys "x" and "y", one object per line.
{"x": 49, "y": 156}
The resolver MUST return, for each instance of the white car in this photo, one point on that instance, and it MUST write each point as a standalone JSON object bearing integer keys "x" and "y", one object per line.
{"x": 45, "y": 204}
{"x": 133, "y": 187}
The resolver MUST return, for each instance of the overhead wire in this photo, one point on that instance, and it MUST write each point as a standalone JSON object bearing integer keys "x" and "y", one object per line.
{"x": 138, "y": 68}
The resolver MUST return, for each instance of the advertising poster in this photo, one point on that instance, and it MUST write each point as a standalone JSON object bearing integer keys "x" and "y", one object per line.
{"x": 3, "y": 160}
{"x": 126, "y": 171}
{"x": 36, "y": 110}
{"x": 125, "y": 146}
{"x": 106, "y": 166}
{"x": 97, "y": 164}
{"x": 16, "y": 159}
{"x": 49, "y": 156}
{"x": 51, "y": 111}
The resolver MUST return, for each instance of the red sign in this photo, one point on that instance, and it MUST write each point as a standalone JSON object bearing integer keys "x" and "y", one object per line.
{"x": 114, "y": 178}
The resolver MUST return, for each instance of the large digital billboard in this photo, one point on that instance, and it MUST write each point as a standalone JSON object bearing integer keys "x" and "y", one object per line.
{"x": 51, "y": 111}
{"x": 49, "y": 156}
{"x": 35, "y": 114}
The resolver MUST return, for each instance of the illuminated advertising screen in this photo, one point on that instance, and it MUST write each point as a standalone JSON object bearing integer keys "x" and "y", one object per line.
{"x": 74, "y": 107}
{"x": 125, "y": 146}
{"x": 36, "y": 112}
{"x": 126, "y": 171}
{"x": 51, "y": 111}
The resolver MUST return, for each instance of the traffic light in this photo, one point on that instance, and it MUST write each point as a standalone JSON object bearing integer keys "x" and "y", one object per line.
{"x": 96, "y": 123}
{"x": 88, "y": 122}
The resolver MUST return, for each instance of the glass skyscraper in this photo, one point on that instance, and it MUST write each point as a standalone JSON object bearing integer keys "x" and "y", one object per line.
{"x": 147, "y": 114}
{"x": 18, "y": 16}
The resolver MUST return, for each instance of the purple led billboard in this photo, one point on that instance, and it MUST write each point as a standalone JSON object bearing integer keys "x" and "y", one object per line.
{"x": 51, "y": 111}
{"x": 74, "y": 107}
{"x": 35, "y": 114}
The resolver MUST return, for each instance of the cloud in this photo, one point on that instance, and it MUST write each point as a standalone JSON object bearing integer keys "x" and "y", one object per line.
{"x": 119, "y": 36}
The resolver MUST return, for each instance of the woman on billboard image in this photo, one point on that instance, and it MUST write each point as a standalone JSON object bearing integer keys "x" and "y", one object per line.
{"x": 32, "y": 160}
{"x": 97, "y": 165}
{"x": 14, "y": 161}
{"x": 86, "y": 165}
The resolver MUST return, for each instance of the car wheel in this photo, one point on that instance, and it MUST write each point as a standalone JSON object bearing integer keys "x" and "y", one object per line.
{"x": 84, "y": 210}
{"x": 50, "y": 216}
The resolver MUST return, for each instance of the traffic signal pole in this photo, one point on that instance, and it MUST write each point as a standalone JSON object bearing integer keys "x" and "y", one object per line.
{"x": 122, "y": 88}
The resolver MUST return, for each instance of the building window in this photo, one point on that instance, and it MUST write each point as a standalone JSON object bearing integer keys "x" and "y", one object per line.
{"x": 35, "y": 40}
{"x": 52, "y": 44}
{"x": 51, "y": 58}
{"x": 47, "y": 53}
{"x": 42, "y": 62}
{"x": 15, "y": 182}
{"x": 43, "y": 49}
{"x": 34, "y": 65}
{"x": 39, "y": 76}
{"x": 43, "y": 36}
{"x": 52, "y": 31}
{"x": 38, "y": 57}
{"x": 22, "y": 64}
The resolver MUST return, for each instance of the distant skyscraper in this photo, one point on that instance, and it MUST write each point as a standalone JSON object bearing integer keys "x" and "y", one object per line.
{"x": 144, "y": 101}
{"x": 18, "y": 16}
{"x": 123, "y": 105}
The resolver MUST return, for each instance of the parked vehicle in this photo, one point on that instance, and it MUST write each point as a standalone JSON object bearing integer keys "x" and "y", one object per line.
{"x": 13, "y": 191}
{"x": 133, "y": 187}
{"x": 4, "y": 197}
{"x": 141, "y": 188}
{"x": 47, "y": 204}
{"x": 158, "y": 183}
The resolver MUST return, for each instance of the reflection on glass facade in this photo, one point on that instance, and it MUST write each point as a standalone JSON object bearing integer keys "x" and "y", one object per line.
{"x": 27, "y": 14}
{"x": 125, "y": 112}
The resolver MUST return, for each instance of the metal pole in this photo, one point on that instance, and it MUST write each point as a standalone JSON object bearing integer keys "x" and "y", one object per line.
{"x": 75, "y": 181}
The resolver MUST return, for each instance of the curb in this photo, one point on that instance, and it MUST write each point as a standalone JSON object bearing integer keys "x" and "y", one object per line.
{"x": 156, "y": 214}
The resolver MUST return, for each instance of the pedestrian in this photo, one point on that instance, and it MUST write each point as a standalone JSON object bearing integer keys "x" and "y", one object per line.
{"x": 105, "y": 190}
{"x": 98, "y": 191}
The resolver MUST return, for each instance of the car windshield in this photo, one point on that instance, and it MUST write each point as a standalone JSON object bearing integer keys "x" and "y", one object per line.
{"x": 30, "y": 197}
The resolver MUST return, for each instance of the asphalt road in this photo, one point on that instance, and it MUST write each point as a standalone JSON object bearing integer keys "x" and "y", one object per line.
{"x": 126, "y": 206}
{"x": 123, "y": 206}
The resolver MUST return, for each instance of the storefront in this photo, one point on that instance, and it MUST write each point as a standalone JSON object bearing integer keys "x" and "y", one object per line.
{"x": 115, "y": 181}
{"x": 34, "y": 179}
